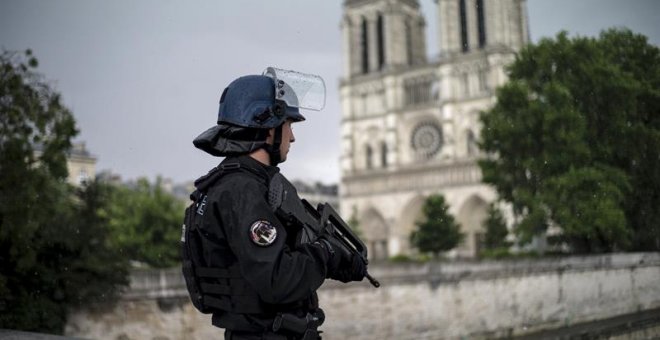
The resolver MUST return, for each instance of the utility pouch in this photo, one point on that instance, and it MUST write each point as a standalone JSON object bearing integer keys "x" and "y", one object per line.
{"x": 191, "y": 253}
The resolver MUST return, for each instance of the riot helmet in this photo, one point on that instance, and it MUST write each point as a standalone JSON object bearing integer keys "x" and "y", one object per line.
{"x": 253, "y": 104}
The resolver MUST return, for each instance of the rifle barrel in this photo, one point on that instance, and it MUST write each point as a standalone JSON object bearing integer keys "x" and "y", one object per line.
{"x": 373, "y": 281}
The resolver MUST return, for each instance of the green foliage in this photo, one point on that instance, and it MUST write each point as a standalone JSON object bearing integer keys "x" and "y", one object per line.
{"x": 575, "y": 136}
{"x": 496, "y": 230}
{"x": 439, "y": 231}
{"x": 587, "y": 205}
{"x": 505, "y": 253}
{"x": 354, "y": 223}
{"x": 146, "y": 223}
{"x": 53, "y": 248}
{"x": 400, "y": 258}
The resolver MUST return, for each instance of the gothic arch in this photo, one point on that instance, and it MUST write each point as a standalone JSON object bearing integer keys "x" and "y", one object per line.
{"x": 471, "y": 216}
{"x": 375, "y": 231}
{"x": 368, "y": 150}
{"x": 411, "y": 213}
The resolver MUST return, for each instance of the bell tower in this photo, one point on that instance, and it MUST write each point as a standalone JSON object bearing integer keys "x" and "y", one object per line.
{"x": 410, "y": 126}
{"x": 472, "y": 25}
{"x": 380, "y": 35}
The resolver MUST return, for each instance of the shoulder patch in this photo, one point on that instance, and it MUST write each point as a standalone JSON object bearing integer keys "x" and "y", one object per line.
{"x": 263, "y": 233}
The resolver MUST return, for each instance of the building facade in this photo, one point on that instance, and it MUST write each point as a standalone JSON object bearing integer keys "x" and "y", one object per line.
{"x": 80, "y": 164}
{"x": 410, "y": 125}
{"x": 317, "y": 193}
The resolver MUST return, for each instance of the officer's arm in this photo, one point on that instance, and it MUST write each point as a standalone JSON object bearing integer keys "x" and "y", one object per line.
{"x": 257, "y": 238}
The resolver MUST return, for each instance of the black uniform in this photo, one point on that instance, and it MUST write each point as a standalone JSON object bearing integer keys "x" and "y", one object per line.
{"x": 267, "y": 274}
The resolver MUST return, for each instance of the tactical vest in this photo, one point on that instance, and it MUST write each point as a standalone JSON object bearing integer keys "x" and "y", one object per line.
{"x": 214, "y": 289}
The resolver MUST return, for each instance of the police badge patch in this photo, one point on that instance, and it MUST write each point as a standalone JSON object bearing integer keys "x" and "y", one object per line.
{"x": 263, "y": 233}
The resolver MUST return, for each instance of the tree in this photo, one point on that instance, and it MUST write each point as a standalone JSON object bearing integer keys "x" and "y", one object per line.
{"x": 53, "y": 251}
{"x": 354, "y": 223}
{"x": 496, "y": 230}
{"x": 438, "y": 231}
{"x": 574, "y": 140}
{"x": 146, "y": 223}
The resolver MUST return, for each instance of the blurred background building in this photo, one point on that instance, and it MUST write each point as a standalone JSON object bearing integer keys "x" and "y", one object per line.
{"x": 316, "y": 193}
{"x": 81, "y": 164}
{"x": 410, "y": 125}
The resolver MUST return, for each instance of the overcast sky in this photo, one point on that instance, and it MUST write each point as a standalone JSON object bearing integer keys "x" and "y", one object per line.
{"x": 143, "y": 78}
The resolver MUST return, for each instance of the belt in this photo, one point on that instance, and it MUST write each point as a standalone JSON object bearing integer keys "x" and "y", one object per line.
{"x": 305, "y": 327}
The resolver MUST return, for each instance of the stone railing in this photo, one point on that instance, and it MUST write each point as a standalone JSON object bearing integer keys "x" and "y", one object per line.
{"x": 492, "y": 299}
{"x": 413, "y": 178}
{"x": 435, "y": 300}
{"x": 154, "y": 284}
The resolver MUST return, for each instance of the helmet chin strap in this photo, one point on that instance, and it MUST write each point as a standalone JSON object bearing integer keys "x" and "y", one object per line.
{"x": 274, "y": 149}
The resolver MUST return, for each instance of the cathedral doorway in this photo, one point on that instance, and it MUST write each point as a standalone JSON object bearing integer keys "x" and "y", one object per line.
{"x": 376, "y": 234}
{"x": 409, "y": 216}
{"x": 471, "y": 217}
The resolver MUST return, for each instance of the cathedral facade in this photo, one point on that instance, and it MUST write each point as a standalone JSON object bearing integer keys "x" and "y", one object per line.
{"x": 409, "y": 124}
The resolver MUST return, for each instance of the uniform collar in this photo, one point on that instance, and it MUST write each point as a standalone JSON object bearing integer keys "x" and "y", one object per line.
{"x": 263, "y": 170}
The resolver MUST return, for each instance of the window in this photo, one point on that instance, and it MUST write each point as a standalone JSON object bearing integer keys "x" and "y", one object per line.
{"x": 364, "y": 46}
{"x": 481, "y": 25}
{"x": 360, "y": 105}
{"x": 82, "y": 176}
{"x": 381, "y": 42}
{"x": 471, "y": 143}
{"x": 464, "y": 33}
{"x": 465, "y": 84}
{"x": 369, "y": 155}
{"x": 483, "y": 80}
{"x": 383, "y": 154}
{"x": 426, "y": 140}
{"x": 420, "y": 91}
{"x": 409, "y": 48}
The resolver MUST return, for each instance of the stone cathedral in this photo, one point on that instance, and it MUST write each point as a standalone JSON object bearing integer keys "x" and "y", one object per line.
{"x": 410, "y": 124}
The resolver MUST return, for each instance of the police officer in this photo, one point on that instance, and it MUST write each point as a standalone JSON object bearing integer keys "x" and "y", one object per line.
{"x": 257, "y": 281}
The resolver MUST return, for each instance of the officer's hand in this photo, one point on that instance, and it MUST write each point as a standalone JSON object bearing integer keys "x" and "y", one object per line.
{"x": 354, "y": 271}
{"x": 343, "y": 265}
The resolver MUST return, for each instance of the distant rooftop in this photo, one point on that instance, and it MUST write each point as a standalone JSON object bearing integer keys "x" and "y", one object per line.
{"x": 315, "y": 188}
{"x": 79, "y": 150}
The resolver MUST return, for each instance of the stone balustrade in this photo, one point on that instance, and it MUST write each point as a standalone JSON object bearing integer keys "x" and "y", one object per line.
{"x": 412, "y": 178}
{"x": 435, "y": 300}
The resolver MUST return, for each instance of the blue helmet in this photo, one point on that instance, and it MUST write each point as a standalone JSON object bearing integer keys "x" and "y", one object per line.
{"x": 250, "y": 102}
{"x": 252, "y": 105}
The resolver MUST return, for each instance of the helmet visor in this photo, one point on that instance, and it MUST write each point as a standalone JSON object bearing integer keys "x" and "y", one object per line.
{"x": 301, "y": 90}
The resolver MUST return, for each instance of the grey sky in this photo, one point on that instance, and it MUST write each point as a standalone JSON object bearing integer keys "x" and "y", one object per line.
{"x": 143, "y": 78}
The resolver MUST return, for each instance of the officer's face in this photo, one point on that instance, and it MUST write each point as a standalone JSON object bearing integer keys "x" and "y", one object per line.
{"x": 287, "y": 139}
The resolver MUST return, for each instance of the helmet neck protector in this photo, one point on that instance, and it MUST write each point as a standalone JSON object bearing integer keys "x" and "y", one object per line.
{"x": 274, "y": 149}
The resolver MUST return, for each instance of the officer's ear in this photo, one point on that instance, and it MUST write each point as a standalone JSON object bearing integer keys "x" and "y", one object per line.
{"x": 271, "y": 136}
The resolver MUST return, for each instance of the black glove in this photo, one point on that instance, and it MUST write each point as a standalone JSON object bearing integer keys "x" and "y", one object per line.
{"x": 343, "y": 265}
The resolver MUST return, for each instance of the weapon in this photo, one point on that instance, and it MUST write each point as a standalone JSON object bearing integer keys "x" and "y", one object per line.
{"x": 283, "y": 199}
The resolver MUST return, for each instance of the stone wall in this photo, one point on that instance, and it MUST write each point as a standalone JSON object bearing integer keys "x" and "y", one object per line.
{"x": 416, "y": 301}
